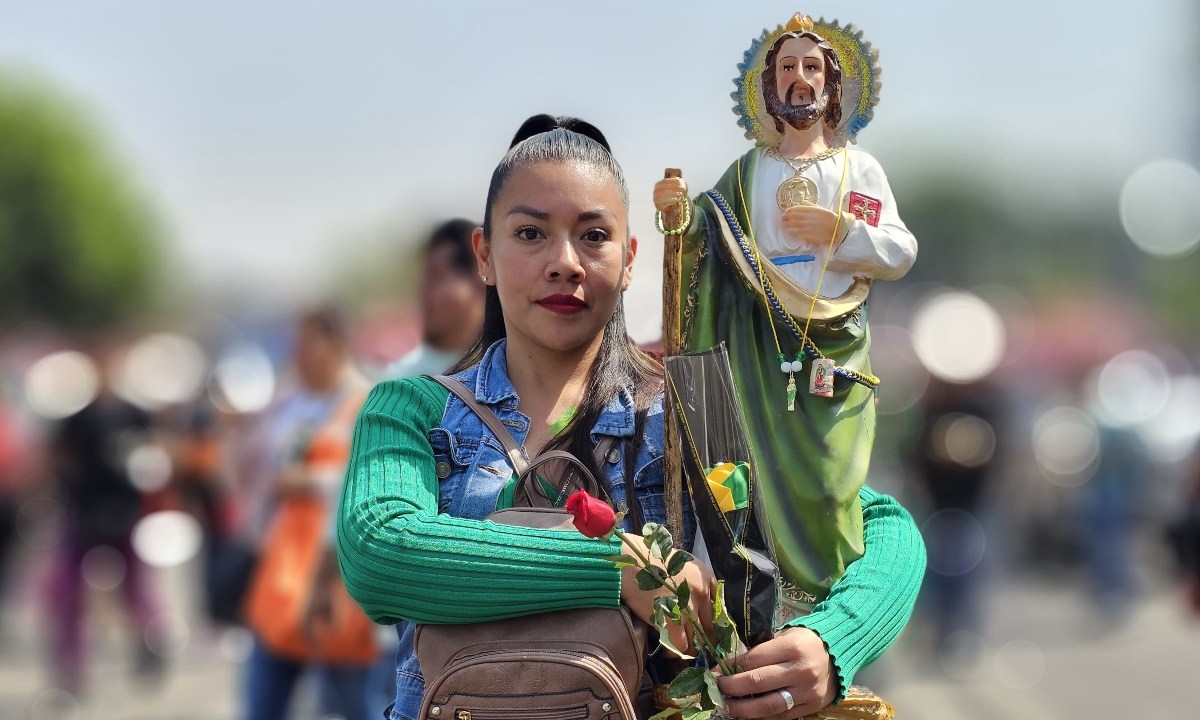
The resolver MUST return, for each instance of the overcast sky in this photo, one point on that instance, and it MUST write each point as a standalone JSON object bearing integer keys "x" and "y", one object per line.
{"x": 267, "y": 133}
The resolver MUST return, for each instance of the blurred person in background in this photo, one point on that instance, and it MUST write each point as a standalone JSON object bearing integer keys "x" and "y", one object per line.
{"x": 199, "y": 478}
{"x": 451, "y": 298}
{"x": 451, "y": 303}
{"x": 954, "y": 459}
{"x": 88, "y": 455}
{"x": 1111, "y": 504}
{"x": 1183, "y": 533}
{"x": 306, "y": 434}
{"x": 13, "y": 459}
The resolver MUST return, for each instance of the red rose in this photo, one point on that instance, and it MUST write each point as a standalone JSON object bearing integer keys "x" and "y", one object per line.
{"x": 594, "y": 518}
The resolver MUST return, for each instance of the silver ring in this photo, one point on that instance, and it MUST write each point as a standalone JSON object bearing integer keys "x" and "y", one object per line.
{"x": 787, "y": 699}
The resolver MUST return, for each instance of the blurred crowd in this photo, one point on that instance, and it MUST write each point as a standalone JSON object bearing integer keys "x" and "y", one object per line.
{"x": 123, "y": 456}
{"x": 133, "y": 463}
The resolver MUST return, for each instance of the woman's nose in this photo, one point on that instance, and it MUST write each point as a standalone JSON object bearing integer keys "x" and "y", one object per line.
{"x": 565, "y": 262}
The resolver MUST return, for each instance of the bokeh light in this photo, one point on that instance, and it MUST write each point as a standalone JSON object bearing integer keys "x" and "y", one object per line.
{"x": 162, "y": 369}
{"x": 104, "y": 567}
{"x": 1131, "y": 388}
{"x": 166, "y": 538}
{"x": 54, "y": 704}
{"x": 236, "y": 644}
{"x": 963, "y": 439}
{"x": 149, "y": 467}
{"x": 1020, "y": 664}
{"x": 1066, "y": 445}
{"x": 1160, "y": 207}
{"x": 955, "y": 542}
{"x": 1017, "y": 316}
{"x": 61, "y": 384}
{"x": 962, "y": 655}
{"x": 1171, "y": 435}
{"x": 243, "y": 380}
{"x": 958, "y": 337}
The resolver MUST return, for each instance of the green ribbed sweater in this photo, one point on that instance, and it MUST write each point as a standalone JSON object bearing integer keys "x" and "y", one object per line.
{"x": 401, "y": 558}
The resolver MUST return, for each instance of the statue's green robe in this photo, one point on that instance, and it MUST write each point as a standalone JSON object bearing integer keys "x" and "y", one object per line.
{"x": 810, "y": 462}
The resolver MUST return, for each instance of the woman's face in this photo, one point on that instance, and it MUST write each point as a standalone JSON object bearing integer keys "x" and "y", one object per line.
{"x": 557, "y": 254}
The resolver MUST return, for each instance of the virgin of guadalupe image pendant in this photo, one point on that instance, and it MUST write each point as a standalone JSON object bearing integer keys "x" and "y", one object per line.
{"x": 796, "y": 190}
{"x": 820, "y": 383}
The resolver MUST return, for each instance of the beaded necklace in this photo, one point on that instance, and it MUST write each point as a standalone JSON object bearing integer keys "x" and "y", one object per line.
{"x": 823, "y": 368}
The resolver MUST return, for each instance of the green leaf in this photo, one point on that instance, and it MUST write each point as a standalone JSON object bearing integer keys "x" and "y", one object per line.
{"x": 713, "y": 693}
{"x": 688, "y": 682}
{"x": 649, "y": 529}
{"x": 720, "y": 614}
{"x": 651, "y": 578}
{"x": 695, "y": 714}
{"x": 678, "y": 559}
{"x": 662, "y": 544}
{"x": 726, "y": 631}
{"x": 665, "y": 641}
{"x": 623, "y": 560}
{"x": 683, "y": 594}
{"x": 664, "y": 715}
{"x": 670, "y": 606}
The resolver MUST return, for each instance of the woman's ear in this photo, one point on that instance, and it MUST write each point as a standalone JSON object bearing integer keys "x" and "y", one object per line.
{"x": 483, "y": 256}
{"x": 629, "y": 256}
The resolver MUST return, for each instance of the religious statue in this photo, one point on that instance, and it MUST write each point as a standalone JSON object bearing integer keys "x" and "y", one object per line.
{"x": 776, "y": 263}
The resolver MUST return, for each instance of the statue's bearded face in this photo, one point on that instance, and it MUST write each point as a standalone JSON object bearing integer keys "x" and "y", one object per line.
{"x": 801, "y": 95}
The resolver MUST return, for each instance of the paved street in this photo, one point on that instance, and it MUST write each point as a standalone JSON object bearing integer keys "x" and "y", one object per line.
{"x": 1045, "y": 658}
{"x": 1048, "y": 657}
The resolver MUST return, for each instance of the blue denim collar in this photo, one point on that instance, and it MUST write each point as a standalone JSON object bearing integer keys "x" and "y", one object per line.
{"x": 492, "y": 387}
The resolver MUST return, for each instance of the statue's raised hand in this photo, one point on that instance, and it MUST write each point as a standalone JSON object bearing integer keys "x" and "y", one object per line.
{"x": 670, "y": 193}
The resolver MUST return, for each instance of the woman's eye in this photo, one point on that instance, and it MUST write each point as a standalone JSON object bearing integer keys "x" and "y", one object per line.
{"x": 595, "y": 236}
{"x": 789, "y": 68}
{"x": 811, "y": 66}
{"x": 528, "y": 233}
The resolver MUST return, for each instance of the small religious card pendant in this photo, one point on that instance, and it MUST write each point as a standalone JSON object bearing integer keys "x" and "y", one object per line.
{"x": 791, "y": 392}
{"x": 820, "y": 383}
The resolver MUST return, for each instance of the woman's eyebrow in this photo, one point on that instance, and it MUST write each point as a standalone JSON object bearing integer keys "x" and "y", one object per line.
{"x": 530, "y": 211}
{"x": 601, "y": 214}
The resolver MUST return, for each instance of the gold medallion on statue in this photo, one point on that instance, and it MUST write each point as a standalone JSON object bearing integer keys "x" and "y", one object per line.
{"x": 796, "y": 190}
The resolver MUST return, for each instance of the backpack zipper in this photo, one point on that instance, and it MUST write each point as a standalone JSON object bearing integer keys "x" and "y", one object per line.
{"x": 622, "y": 703}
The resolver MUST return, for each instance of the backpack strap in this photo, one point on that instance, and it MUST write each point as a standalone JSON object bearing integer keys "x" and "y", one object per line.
{"x": 515, "y": 455}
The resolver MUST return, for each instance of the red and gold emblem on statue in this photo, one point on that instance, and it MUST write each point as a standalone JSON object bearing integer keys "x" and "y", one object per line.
{"x": 865, "y": 208}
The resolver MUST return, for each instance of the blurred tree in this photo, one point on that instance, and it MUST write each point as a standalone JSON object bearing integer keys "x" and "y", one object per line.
{"x": 77, "y": 246}
{"x": 972, "y": 233}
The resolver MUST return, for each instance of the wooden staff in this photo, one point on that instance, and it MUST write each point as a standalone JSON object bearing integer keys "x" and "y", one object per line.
{"x": 672, "y": 451}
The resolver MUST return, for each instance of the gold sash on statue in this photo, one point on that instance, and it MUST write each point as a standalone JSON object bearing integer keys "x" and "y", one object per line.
{"x": 795, "y": 299}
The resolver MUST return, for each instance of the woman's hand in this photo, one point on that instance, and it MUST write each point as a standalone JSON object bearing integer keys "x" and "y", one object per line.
{"x": 795, "y": 660}
{"x": 670, "y": 193}
{"x": 812, "y": 226}
{"x": 641, "y": 602}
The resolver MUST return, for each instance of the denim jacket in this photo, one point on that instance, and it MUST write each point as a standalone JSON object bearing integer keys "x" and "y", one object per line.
{"x": 473, "y": 470}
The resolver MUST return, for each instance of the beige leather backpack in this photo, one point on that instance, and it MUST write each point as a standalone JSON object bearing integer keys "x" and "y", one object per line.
{"x": 584, "y": 664}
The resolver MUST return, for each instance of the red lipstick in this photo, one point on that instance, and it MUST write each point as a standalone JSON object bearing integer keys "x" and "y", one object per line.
{"x": 563, "y": 304}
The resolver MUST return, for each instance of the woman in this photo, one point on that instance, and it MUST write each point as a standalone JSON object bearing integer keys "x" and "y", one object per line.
{"x": 556, "y": 365}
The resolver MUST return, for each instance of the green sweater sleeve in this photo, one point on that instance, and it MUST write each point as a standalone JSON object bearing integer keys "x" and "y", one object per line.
{"x": 402, "y": 559}
{"x": 870, "y": 604}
